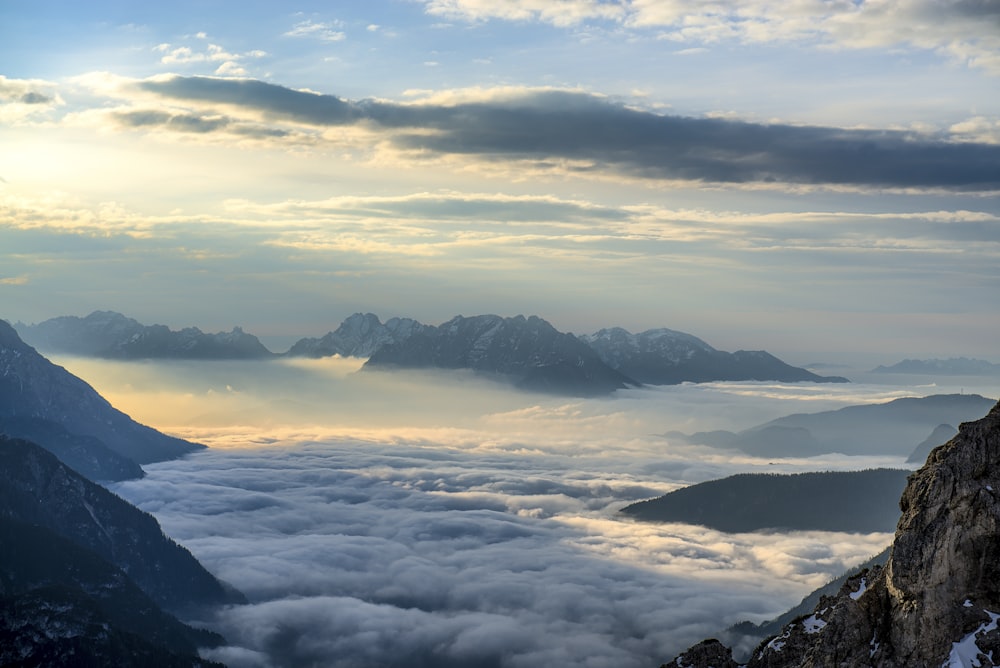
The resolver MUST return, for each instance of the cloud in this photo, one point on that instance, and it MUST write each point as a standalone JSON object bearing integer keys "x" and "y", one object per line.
{"x": 592, "y": 134}
{"x": 23, "y": 100}
{"x": 357, "y": 550}
{"x": 326, "y": 32}
{"x": 963, "y": 31}
{"x": 229, "y": 64}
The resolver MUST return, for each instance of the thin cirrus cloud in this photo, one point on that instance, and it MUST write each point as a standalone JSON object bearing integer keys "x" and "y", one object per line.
{"x": 596, "y": 134}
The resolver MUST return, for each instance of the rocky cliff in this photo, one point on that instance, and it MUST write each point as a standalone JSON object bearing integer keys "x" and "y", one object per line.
{"x": 935, "y": 603}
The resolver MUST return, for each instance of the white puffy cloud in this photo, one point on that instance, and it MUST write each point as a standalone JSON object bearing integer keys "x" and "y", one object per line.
{"x": 963, "y": 31}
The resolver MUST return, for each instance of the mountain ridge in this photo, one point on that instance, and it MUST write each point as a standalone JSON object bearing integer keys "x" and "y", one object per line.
{"x": 529, "y": 352}
{"x": 934, "y": 602}
{"x": 111, "y": 335}
{"x": 39, "y": 399}
{"x": 895, "y": 427}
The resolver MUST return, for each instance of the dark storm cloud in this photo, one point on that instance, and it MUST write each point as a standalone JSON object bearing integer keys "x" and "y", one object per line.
{"x": 599, "y": 134}
{"x": 177, "y": 122}
{"x": 33, "y": 97}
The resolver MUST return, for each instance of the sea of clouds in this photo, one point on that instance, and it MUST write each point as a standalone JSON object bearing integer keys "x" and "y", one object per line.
{"x": 435, "y": 519}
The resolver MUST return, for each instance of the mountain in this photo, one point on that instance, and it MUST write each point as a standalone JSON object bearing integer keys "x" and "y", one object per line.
{"x": 529, "y": 352}
{"x": 114, "y": 336}
{"x": 891, "y": 428}
{"x": 668, "y": 357}
{"x": 863, "y": 501}
{"x": 954, "y": 366}
{"x": 41, "y": 491}
{"x": 358, "y": 336}
{"x": 941, "y": 434}
{"x": 748, "y": 635}
{"x": 40, "y": 399}
{"x": 63, "y": 605}
{"x": 934, "y": 602}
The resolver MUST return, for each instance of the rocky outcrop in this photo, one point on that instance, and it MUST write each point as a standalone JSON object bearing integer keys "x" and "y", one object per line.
{"x": 937, "y": 600}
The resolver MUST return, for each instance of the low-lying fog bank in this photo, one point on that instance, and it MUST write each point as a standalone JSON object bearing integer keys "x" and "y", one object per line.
{"x": 442, "y": 520}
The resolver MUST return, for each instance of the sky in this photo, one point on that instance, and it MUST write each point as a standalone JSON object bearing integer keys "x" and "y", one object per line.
{"x": 807, "y": 177}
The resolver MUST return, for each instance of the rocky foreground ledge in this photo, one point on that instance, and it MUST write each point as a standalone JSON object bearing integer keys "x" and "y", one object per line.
{"x": 936, "y": 602}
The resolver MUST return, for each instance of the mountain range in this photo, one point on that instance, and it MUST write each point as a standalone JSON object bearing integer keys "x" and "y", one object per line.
{"x": 934, "y": 601}
{"x": 43, "y": 402}
{"x": 953, "y": 366}
{"x": 112, "y": 335}
{"x": 526, "y": 351}
{"x": 901, "y": 427}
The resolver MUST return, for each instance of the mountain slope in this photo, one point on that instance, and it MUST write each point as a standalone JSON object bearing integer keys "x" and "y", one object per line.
{"x": 112, "y": 335}
{"x": 61, "y": 604}
{"x": 37, "y": 489}
{"x": 529, "y": 352}
{"x": 935, "y": 602}
{"x": 34, "y": 391}
{"x": 829, "y": 501}
{"x": 668, "y": 357}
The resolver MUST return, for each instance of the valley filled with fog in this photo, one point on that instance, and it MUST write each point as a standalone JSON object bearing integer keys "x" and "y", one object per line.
{"x": 439, "y": 519}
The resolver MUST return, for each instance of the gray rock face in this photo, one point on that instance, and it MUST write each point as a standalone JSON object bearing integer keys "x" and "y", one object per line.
{"x": 707, "y": 654}
{"x": 937, "y": 600}
{"x": 358, "y": 336}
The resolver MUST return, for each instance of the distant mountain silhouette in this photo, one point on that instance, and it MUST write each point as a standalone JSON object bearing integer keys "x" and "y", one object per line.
{"x": 657, "y": 356}
{"x": 529, "y": 352}
{"x": 41, "y": 400}
{"x": 112, "y": 335}
{"x": 891, "y": 428}
{"x": 668, "y": 357}
{"x": 829, "y": 501}
{"x": 941, "y": 434}
{"x": 954, "y": 366}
